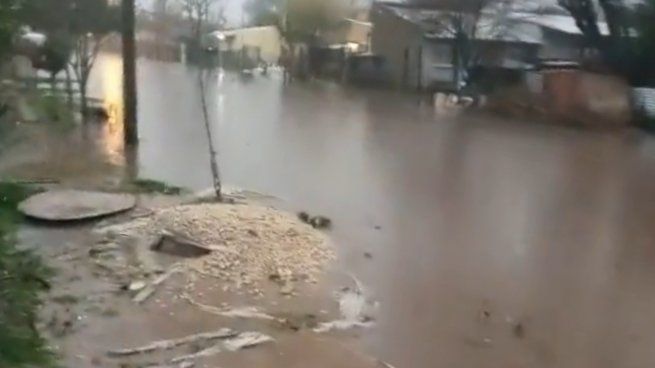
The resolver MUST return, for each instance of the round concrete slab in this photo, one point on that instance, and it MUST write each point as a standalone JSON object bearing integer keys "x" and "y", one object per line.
{"x": 75, "y": 205}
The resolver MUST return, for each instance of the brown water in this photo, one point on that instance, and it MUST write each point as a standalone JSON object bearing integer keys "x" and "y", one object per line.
{"x": 474, "y": 224}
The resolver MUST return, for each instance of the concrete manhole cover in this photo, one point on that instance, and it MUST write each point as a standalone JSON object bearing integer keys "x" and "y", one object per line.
{"x": 73, "y": 205}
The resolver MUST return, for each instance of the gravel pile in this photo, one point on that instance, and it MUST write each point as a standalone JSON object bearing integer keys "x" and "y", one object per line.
{"x": 250, "y": 243}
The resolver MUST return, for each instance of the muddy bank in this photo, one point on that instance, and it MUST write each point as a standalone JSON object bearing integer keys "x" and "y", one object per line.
{"x": 94, "y": 316}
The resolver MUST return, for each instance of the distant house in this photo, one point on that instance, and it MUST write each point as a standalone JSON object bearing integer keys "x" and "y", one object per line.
{"x": 263, "y": 43}
{"x": 352, "y": 33}
{"x": 419, "y": 54}
{"x": 560, "y": 37}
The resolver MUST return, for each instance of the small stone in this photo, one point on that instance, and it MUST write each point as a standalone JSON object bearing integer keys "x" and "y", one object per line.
{"x": 287, "y": 289}
{"x": 136, "y": 286}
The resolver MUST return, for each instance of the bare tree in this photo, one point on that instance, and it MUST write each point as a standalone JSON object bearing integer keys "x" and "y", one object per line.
{"x": 617, "y": 43}
{"x": 466, "y": 22}
{"x": 200, "y": 12}
{"x": 91, "y": 21}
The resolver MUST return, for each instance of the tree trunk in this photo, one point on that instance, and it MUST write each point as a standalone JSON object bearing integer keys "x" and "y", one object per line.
{"x": 84, "y": 103}
{"x": 216, "y": 180}
{"x": 131, "y": 135}
{"x": 69, "y": 89}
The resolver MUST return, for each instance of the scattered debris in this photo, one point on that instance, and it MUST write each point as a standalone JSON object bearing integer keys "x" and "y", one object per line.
{"x": 246, "y": 340}
{"x": 304, "y": 217}
{"x": 354, "y": 308}
{"x": 287, "y": 289}
{"x": 284, "y": 250}
{"x": 223, "y": 333}
{"x": 179, "y": 245}
{"x": 317, "y": 222}
{"x": 385, "y": 364}
{"x": 518, "y": 330}
{"x": 321, "y": 222}
{"x": 136, "y": 286}
{"x": 213, "y": 350}
{"x": 299, "y": 322}
{"x": 240, "y": 341}
{"x": 243, "y": 312}
{"x": 147, "y": 291}
{"x": 65, "y": 299}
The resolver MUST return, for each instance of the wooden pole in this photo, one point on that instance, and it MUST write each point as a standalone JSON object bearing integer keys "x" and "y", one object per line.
{"x": 131, "y": 134}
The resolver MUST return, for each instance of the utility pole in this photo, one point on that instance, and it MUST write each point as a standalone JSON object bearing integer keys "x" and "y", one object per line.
{"x": 131, "y": 134}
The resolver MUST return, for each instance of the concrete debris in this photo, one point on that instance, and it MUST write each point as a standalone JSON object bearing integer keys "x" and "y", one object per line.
{"x": 283, "y": 247}
{"x": 223, "y": 333}
{"x": 179, "y": 245}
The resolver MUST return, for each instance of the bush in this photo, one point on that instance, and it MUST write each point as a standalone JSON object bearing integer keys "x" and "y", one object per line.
{"x": 22, "y": 277}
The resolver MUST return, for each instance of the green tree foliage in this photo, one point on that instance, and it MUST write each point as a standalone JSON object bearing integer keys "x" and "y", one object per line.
{"x": 622, "y": 49}
{"x": 299, "y": 20}
{"x": 22, "y": 277}
{"x": 76, "y": 30}
{"x": 265, "y": 12}
{"x": 8, "y": 24}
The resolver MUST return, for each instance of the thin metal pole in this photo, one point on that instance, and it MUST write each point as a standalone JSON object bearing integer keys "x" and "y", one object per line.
{"x": 131, "y": 134}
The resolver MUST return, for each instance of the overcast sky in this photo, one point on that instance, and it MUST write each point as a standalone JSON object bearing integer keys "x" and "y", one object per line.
{"x": 232, "y": 9}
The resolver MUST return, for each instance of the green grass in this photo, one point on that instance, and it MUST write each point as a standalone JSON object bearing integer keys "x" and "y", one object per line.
{"x": 154, "y": 186}
{"x": 54, "y": 109}
{"x": 22, "y": 278}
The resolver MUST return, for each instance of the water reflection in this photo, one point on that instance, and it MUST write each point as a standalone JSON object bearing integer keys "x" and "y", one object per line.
{"x": 107, "y": 84}
{"x": 540, "y": 222}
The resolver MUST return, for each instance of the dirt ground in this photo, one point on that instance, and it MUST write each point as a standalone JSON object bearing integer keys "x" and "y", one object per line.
{"x": 88, "y": 312}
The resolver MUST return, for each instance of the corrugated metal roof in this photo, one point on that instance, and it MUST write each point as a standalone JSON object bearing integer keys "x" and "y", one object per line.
{"x": 500, "y": 24}
{"x": 560, "y": 23}
{"x": 491, "y": 27}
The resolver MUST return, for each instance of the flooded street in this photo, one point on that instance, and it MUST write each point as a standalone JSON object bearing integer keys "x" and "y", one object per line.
{"x": 487, "y": 242}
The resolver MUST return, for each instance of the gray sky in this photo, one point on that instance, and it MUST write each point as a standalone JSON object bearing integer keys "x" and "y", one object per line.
{"x": 232, "y": 9}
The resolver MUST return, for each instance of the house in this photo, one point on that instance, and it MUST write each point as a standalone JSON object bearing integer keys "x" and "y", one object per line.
{"x": 262, "y": 43}
{"x": 419, "y": 49}
{"x": 354, "y": 34}
{"x": 561, "y": 39}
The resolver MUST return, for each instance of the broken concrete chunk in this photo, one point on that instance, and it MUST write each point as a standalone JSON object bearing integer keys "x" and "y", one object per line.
{"x": 179, "y": 245}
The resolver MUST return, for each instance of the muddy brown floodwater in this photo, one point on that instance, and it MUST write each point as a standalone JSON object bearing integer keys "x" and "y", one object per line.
{"x": 487, "y": 242}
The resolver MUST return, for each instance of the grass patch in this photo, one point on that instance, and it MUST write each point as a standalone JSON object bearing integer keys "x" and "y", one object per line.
{"x": 65, "y": 299}
{"x": 22, "y": 278}
{"x": 55, "y": 109}
{"x": 154, "y": 186}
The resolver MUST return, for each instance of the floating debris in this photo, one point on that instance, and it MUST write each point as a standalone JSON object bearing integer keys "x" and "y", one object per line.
{"x": 246, "y": 340}
{"x": 241, "y": 341}
{"x": 223, "y": 333}
{"x": 243, "y": 312}
{"x": 147, "y": 291}
{"x": 355, "y": 309}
